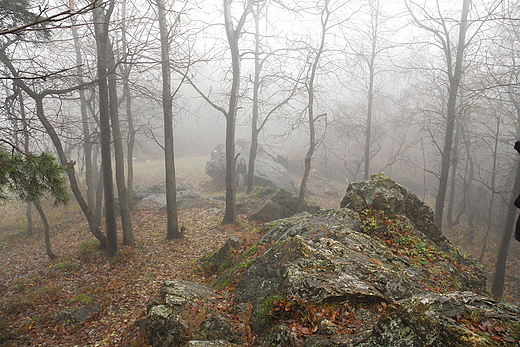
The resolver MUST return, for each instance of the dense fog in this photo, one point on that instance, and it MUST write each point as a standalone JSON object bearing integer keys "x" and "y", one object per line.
{"x": 425, "y": 91}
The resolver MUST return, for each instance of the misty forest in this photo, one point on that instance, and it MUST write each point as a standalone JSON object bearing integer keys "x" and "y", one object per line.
{"x": 111, "y": 109}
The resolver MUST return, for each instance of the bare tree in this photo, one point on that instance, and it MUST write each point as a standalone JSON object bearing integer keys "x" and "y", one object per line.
{"x": 101, "y": 19}
{"x": 455, "y": 67}
{"x": 51, "y": 131}
{"x": 233, "y": 32}
{"x": 172, "y": 231}
{"x": 314, "y": 60}
{"x": 259, "y": 119}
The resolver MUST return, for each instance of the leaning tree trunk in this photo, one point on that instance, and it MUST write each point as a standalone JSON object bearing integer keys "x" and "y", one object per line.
{"x": 46, "y": 231}
{"x": 28, "y": 210}
{"x": 38, "y": 98}
{"x": 74, "y": 186}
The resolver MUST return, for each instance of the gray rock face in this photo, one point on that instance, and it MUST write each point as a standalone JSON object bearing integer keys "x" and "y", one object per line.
{"x": 269, "y": 172}
{"x": 376, "y": 272}
{"x": 267, "y": 204}
{"x": 170, "y": 318}
{"x": 386, "y": 195}
{"x": 223, "y": 258}
{"x": 346, "y": 255}
{"x": 440, "y": 320}
{"x": 341, "y": 266}
{"x": 164, "y": 327}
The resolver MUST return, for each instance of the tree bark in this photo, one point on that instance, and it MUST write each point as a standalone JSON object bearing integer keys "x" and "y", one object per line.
{"x": 28, "y": 210}
{"x": 453, "y": 180}
{"x": 497, "y": 288}
{"x": 101, "y": 32}
{"x": 368, "y": 133}
{"x": 46, "y": 231}
{"x": 454, "y": 77}
{"x": 233, "y": 35}
{"x": 250, "y": 179}
{"x": 129, "y": 118}
{"x": 492, "y": 190}
{"x": 74, "y": 186}
{"x": 310, "y": 108}
{"x": 119, "y": 155}
{"x": 87, "y": 140}
{"x": 38, "y": 98}
{"x": 172, "y": 231}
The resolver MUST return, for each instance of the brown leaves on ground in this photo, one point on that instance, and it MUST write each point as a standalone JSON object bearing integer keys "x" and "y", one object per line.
{"x": 34, "y": 289}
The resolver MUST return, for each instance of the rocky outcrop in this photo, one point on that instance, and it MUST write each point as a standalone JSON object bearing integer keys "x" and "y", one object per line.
{"x": 187, "y": 313}
{"x": 384, "y": 194}
{"x": 444, "y": 320}
{"x": 376, "y": 272}
{"x": 269, "y": 168}
{"x": 265, "y": 204}
{"x": 185, "y": 199}
{"x": 320, "y": 185}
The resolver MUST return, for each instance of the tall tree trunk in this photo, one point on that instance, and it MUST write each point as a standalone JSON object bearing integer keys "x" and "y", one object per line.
{"x": 492, "y": 198}
{"x": 128, "y": 110}
{"x": 101, "y": 32}
{"x": 454, "y": 82}
{"x": 250, "y": 178}
{"x": 497, "y": 288}
{"x": 87, "y": 140}
{"x": 310, "y": 108}
{"x": 368, "y": 133}
{"x": 119, "y": 157}
{"x": 25, "y": 125}
{"x": 453, "y": 180}
{"x": 46, "y": 231}
{"x": 233, "y": 35}
{"x": 172, "y": 231}
{"x": 98, "y": 212}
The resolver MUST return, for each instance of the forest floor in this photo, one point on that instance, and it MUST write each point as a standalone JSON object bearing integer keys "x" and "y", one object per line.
{"x": 35, "y": 290}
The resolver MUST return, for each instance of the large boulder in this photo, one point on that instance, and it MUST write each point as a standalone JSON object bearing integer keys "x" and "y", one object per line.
{"x": 269, "y": 168}
{"x": 376, "y": 272}
{"x": 332, "y": 257}
{"x": 265, "y": 204}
